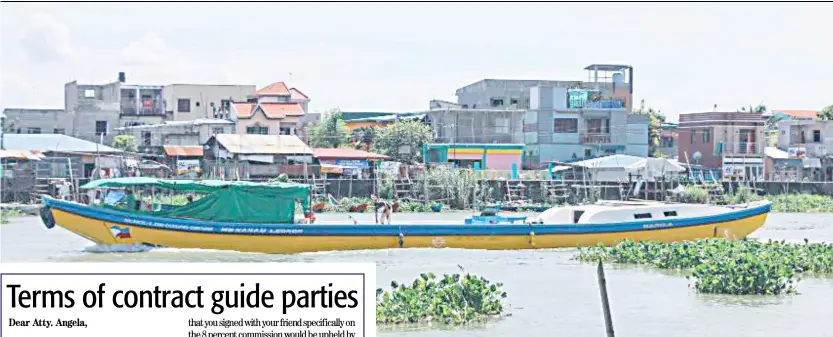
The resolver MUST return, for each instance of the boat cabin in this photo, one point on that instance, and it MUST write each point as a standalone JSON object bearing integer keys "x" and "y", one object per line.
{"x": 617, "y": 212}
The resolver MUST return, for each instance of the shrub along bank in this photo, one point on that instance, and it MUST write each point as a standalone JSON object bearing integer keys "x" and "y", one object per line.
{"x": 721, "y": 266}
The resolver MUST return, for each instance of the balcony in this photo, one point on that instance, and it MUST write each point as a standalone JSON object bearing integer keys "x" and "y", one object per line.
{"x": 145, "y": 108}
{"x": 595, "y": 138}
{"x": 745, "y": 148}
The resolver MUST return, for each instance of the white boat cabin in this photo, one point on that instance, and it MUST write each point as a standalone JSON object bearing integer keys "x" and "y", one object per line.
{"x": 605, "y": 212}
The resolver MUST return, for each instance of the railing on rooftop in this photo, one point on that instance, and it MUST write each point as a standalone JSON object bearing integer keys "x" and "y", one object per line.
{"x": 594, "y": 138}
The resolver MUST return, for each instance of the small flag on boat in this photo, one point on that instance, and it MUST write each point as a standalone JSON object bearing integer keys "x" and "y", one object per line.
{"x": 332, "y": 200}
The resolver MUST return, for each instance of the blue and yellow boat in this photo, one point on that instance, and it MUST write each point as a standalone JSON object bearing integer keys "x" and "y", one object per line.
{"x": 260, "y": 217}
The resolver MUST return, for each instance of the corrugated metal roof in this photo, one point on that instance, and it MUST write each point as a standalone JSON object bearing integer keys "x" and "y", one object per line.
{"x": 776, "y": 153}
{"x": 325, "y": 153}
{"x": 263, "y": 144}
{"x": 183, "y": 151}
{"x": 53, "y": 143}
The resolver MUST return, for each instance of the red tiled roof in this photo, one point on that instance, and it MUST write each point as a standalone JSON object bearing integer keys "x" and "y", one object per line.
{"x": 281, "y": 110}
{"x": 325, "y": 153}
{"x": 297, "y": 94}
{"x": 277, "y": 88}
{"x": 243, "y": 109}
{"x": 807, "y": 114}
{"x": 271, "y": 110}
{"x": 183, "y": 151}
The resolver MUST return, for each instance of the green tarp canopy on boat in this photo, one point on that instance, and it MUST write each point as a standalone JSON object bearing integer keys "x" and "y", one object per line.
{"x": 226, "y": 201}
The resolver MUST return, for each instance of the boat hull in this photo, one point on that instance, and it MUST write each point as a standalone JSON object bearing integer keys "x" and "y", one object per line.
{"x": 109, "y": 227}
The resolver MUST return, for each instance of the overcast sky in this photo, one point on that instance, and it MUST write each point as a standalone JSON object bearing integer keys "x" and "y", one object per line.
{"x": 396, "y": 57}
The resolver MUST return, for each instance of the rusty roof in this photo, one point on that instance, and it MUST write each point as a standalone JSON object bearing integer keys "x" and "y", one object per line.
{"x": 274, "y": 89}
{"x": 22, "y": 154}
{"x": 263, "y": 144}
{"x": 327, "y": 153}
{"x": 183, "y": 151}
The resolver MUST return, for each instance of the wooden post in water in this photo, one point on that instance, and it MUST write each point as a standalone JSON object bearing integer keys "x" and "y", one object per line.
{"x": 605, "y": 303}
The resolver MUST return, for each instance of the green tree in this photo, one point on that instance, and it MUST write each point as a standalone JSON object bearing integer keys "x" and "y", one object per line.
{"x": 655, "y": 121}
{"x": 826, "y": 113}
{"x": 330, "y": 132}
{"x": 403, "y": 140}
{"x": 364, "y": 137}
{"x": 126, "y": 143}
{"x": 760, "y": 108}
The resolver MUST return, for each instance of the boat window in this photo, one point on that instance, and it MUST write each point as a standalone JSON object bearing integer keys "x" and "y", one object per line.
{"x": 577, "y": 215}
{"x": 642, "y": 216}
{"x": 670, "y": 213}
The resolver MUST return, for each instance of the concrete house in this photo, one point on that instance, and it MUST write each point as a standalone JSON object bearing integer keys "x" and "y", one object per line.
{"x": 270, "y": 111}
{"x": 188, "y": 102}
{"x": 811, "y": 142}
{"x": 731, "y": 141}
{"x": 568, "y": 120}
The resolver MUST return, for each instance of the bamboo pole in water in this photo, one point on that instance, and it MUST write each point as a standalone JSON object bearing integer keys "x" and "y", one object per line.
{"x": 605, "y": 304}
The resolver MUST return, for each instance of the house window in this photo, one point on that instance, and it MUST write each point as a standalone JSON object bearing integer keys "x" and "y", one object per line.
{"x": 58, "y": 131}
{"x": 146, "y": 137}
{"x": 496, "y": 102}
{"x": 89, "y": 93}
{"x": 183, "y": 105}
{"x": 216, "y": 131}
{"x": 286, "y": 131}
{"x": 100, "y": 128}
{"x": 707, "y": 136}
{"x": 257, "y": 130}
{"x": 566, "y": 125}
{"x": 598, "y": 126}
{"x": 693, "y": 136}
{"x": 816, "y": 136}
{"x": 33, "y": 131}
{"x": 513, "y": 101}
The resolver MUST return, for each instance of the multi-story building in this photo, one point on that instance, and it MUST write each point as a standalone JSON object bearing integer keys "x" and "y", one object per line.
{"x": 731, "y": 141}
{"x": 188, "y": 102}
{"x": 568, "y": 120}
{"x": 96, "y": 110}
{"x": 491, "y": 126}
{"x": 811, "y": 141}
{"x": 151, "y": 138}
{"x": 35, "y": 121}
{"x": 272, "y": 110}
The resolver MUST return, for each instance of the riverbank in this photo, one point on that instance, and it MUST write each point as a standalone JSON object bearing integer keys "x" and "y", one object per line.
{"x": 786, "y": 203}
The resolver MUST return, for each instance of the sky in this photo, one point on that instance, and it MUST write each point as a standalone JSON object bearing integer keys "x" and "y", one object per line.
{"x": 687, "y": 57}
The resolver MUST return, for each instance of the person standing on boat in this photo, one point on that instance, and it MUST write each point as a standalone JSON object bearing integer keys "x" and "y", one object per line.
{"x": 384, "y": 206}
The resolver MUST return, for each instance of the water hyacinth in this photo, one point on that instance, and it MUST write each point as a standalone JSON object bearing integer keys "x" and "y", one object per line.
{"x": 454, "y": 299}
{"x": 723, "y": 266}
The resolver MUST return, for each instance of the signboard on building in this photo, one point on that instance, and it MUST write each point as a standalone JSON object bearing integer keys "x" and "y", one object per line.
{"x": 188, "y": 167}
{"x": 353, "y": 162}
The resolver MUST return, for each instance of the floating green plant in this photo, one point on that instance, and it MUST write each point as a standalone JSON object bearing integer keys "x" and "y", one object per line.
{"x": 454, "y": 299}
{"x": 738, "y": 267}
{"x": 6, "y": 213}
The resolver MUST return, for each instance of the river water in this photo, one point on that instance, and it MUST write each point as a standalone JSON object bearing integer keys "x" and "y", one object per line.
{"x": 548, "y": 293}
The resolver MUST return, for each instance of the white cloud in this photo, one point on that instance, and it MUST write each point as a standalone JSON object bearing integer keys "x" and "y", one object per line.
{"x": 47, "y": 40}
{"x": 149, "y": 50}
